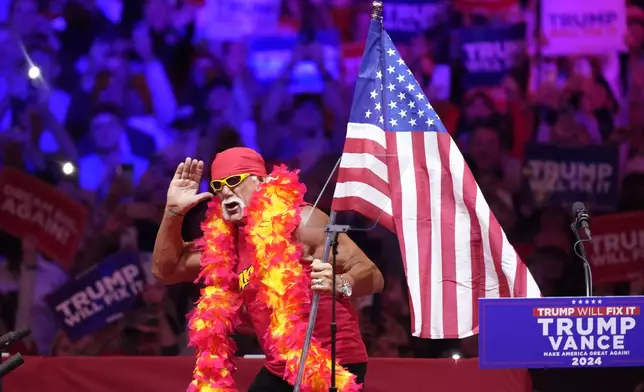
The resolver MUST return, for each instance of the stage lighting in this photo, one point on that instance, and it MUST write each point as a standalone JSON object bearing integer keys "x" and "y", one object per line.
{"x": 68, "y": 168}
{"x": 34, "y": 72}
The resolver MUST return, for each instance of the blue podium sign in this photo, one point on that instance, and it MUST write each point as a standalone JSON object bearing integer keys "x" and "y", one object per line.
{"x": 561, "y": 332}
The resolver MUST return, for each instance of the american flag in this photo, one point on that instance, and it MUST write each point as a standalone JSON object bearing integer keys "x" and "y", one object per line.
{"x": 401, "y": 168}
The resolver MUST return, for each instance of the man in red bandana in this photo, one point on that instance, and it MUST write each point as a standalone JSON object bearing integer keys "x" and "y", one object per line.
{"x": 236, "y": 174}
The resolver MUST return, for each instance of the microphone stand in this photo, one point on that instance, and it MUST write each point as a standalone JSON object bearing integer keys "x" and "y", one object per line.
{"x": 579, "y": 243}
{"x": 332, "y": 230}
{"x": 334, "y": 326}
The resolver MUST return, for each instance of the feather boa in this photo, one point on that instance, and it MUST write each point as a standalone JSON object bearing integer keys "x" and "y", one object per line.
{"x": 272, "y": 217}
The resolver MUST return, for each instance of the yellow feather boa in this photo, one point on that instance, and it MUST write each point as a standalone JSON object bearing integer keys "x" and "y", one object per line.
{"x": 272, "y": 216}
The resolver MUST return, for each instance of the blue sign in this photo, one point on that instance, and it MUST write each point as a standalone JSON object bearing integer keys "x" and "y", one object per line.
{"x": 268, "y": 57}
{"x": 560, "y": 176}
{"x": 405, "y": 19}
{"x": 98, "y": 296}
{"x": 489, "y": 53}
{"x": 561, "y": 332}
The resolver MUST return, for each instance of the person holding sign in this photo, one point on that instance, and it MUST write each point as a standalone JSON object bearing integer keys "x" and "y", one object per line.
{"x": 262, "y": 247}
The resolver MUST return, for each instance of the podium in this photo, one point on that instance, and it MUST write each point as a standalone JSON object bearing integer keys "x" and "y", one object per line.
{"x": 561, "y": 332}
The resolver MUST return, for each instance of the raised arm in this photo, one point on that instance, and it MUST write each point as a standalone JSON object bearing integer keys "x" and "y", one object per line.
{"x": 354, "y": 266}
{"x": 174, "y": 260}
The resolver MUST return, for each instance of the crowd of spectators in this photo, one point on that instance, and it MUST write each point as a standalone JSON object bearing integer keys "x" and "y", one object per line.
{"x": 125, "y": 98}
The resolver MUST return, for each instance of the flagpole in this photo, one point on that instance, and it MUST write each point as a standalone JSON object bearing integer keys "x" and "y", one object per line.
{"x": 330, "y": 245}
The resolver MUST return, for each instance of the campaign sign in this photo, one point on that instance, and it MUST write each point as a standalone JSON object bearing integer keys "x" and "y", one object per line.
{"x": 29, "y": 206}
{"x": 405, "y": 19}
{"x": 583, "y": 27}
{"x": 489, "y": 53}
{"x": 561, "y": 332}
{"x": 616, "y": 252}
{"x": 99, "y": 296}
{"x": 268, "y": 57}
{"x": 351, "y": 59}
{"x": 560, "y": 176}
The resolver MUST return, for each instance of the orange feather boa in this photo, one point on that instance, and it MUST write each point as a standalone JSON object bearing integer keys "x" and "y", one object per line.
{"x": 272, "y": 217}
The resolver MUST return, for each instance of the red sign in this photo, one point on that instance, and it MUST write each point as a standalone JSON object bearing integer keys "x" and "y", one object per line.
{"x": 351, "y": 58}
{"x": 30, "y": 207}
{"x": 484, "y": 5}
{"x": 616, "y": 253}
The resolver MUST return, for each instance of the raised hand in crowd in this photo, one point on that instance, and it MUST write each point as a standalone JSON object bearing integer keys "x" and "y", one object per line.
{"x": 184, "y": 187}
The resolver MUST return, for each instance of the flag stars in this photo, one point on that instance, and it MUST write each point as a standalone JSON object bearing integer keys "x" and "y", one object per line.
{"x": 391, "y": 87}
{"x": 373, "y": 94}
{"x": 411, "y": 104}
{"x": 573, "y": 301}
{"x": 599, "y": 301}
{"x": 391, "y": 69}
{"x": 411, "y": 87}
{"x": 420, "y": 96}
{"x": 412, "y": 122}
{"x": 378, "y": 106}
{"x": 368, "y": 114}
{"x": 400, "y": 61}
{"x": 401, "y": 95}
{"x": 400, "y": 78}
{"x": 592, "y": 301}
{"x": 381, "y": 120}
{"x": 393, "y": 122}
{"x": 391, "y": 52}
{"x": 429, "y": 106}
{"x": 393, "y": 105}
{"x": 429, "y": 122}
{"x": 409, "y": 71}
{"x": 403, "y": 114}
{"x": 379, "y": 74}
{"x": 421, "y": 113}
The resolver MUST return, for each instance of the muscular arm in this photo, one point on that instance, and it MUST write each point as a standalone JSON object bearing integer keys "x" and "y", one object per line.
{"x": 358, "y": 270}
{"x": 174, "y": 260}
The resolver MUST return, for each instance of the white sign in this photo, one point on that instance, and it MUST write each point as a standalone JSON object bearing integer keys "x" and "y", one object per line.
{"x": 571, "y": 27}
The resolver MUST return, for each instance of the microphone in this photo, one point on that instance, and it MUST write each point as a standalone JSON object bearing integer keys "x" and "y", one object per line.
{"x": 11, "y": 364}
{"x": 10, "y": 338}
{"x": 581, "y": 217}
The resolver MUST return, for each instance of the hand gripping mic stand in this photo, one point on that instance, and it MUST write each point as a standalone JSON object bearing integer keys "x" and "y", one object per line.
{"x": 330, "y": 247}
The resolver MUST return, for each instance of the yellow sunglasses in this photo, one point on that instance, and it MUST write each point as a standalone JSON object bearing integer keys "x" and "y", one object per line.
{"x": 230, "y": 182}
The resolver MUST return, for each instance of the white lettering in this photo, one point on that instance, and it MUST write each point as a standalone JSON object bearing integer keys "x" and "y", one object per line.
{"x": 122, "y": 284}
{"x": 555, "y": 176}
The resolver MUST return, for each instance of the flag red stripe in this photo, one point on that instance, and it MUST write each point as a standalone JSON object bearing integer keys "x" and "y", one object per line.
{"x": 448, "y": 242}
{"x": 520, "y": 279}
{"x": 496, "y": 248}
{"x": 424, "y": 230}
{"x": 365, "y": 146}
{"x": 359, "y": 205}
{"x": 396, "y": 203}
{"x": 470, "y": 189}
{"x": 365, "y": 176}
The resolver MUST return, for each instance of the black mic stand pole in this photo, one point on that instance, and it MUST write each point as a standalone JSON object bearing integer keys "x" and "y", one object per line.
{"x": 582, "y": 255}
{"x": 1, "y": 354}
{"x": 334, "y": 327}
{"x": 332, "y": 230}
